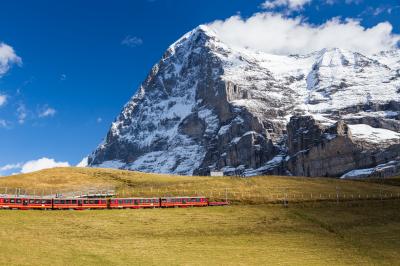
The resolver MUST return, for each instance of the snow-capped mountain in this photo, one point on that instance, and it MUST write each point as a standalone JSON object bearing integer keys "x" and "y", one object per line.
{"x": 209, "y": 106}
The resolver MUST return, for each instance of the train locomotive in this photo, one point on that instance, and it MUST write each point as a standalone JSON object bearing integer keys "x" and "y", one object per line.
{"x": 26, "y": 203}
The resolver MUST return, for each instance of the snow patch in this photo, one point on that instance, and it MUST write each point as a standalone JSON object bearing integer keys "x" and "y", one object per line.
{"x": 374, "y": 135}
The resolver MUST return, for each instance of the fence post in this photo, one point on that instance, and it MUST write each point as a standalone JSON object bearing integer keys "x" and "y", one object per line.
{"x": 337, "y": 196}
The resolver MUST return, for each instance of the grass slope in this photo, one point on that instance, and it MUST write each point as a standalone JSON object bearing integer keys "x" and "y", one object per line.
{"x": 234, "y": 235}
{"x": 365, "y": 232}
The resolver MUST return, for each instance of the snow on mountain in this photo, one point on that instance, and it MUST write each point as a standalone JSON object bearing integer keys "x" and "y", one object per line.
{"x": 378, "y": 136}
{"x": 209, "y": 106}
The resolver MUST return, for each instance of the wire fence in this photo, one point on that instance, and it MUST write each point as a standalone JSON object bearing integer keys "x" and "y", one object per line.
{"x": 272, "y": 195}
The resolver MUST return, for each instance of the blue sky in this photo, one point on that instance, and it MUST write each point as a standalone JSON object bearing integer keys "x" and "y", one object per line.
{"x": 81, "y": 61}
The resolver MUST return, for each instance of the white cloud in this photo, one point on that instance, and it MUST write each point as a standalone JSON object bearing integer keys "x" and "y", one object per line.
{"x": 289, "y": 4}
{"x": 83, "y": 163}
{"x": 99, "y": 120}
{"x": 22, "y": 113}
{"x": 47, "y": 112}
{"x": 43, "y": 163}
{"x": 8, "y": 57}
{"x": 3, "y": 99}
{"x": 132, "y": 41}
{"x": 63, "y": 77}
{"x": 31, "y": 166}
{"x": 274, "y": 33}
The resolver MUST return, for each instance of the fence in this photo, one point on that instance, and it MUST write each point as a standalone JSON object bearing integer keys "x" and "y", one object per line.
{"x": 272, "y": 195}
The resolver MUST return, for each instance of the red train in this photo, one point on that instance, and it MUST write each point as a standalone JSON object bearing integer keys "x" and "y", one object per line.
{"x": 101, "y": 203}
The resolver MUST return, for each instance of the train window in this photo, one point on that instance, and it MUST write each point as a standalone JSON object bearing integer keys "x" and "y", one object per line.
{"x": 73, "y": 201}
{"x": 12, "y": 200}
{"x": 37, "y": 201}
{"x": 141, "y": 201}
{"x": 62, "y": 201}
{"x": 96, "y": 202}
{"x": 119, "y": 201}
{"x": 31, "y": 201}
{"x": 136, "y": 202}
{"x": 56, "y": 201}
{"x": 85, "y": 201}
{"x": 19, "y": 200}
{"x": 6, "y": 200}
{"x": 198, "y": 200}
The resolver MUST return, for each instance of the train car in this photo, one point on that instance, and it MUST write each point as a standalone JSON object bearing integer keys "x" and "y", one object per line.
{"x": 25, "y": 203}
{"x": 66, "y": 204}
{"x": 94, "y": 203}
{"x": 168, "y": 202}
{"x": 79, "y": 204}
{"x": 134, "y": 203}
{"x": 12, "y": 203}
{"x": 39, "y": 203}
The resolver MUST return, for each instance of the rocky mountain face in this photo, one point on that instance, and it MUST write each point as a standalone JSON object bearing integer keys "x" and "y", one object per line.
{"x": 207, "y": 106}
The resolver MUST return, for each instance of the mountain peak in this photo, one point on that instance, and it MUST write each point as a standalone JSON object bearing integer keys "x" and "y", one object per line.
{"x": 206, "y": 106}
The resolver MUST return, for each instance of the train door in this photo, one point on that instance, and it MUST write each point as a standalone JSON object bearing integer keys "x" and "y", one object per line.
{"x": 79, "y": 203}
{"x": 108, "y": 203}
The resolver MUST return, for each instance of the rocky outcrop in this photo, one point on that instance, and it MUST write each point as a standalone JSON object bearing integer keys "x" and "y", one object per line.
{"x": 332, "y": 152}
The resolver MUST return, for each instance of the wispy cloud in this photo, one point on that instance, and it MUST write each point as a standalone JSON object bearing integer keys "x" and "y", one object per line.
{"x": 132, "y": 41}
{"x": 3, "y": 99}
{"x": 3, "y": 123}
{"x": 63, "y": 77}
{"x": 99, "y": 120}
{"x": 376, "y": 11}
{"x": 22, "y": 113}
{"x": 47, "y": 112}
{"x": 349, "y": 2}
{"x": 292, "y": 5}
{"x": 8, "y": 167}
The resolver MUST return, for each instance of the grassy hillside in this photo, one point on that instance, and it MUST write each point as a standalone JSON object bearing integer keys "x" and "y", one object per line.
{"x": 262, "y": 189}
{"x": 233, "y": 235}
{"x": 249, "y": 232}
